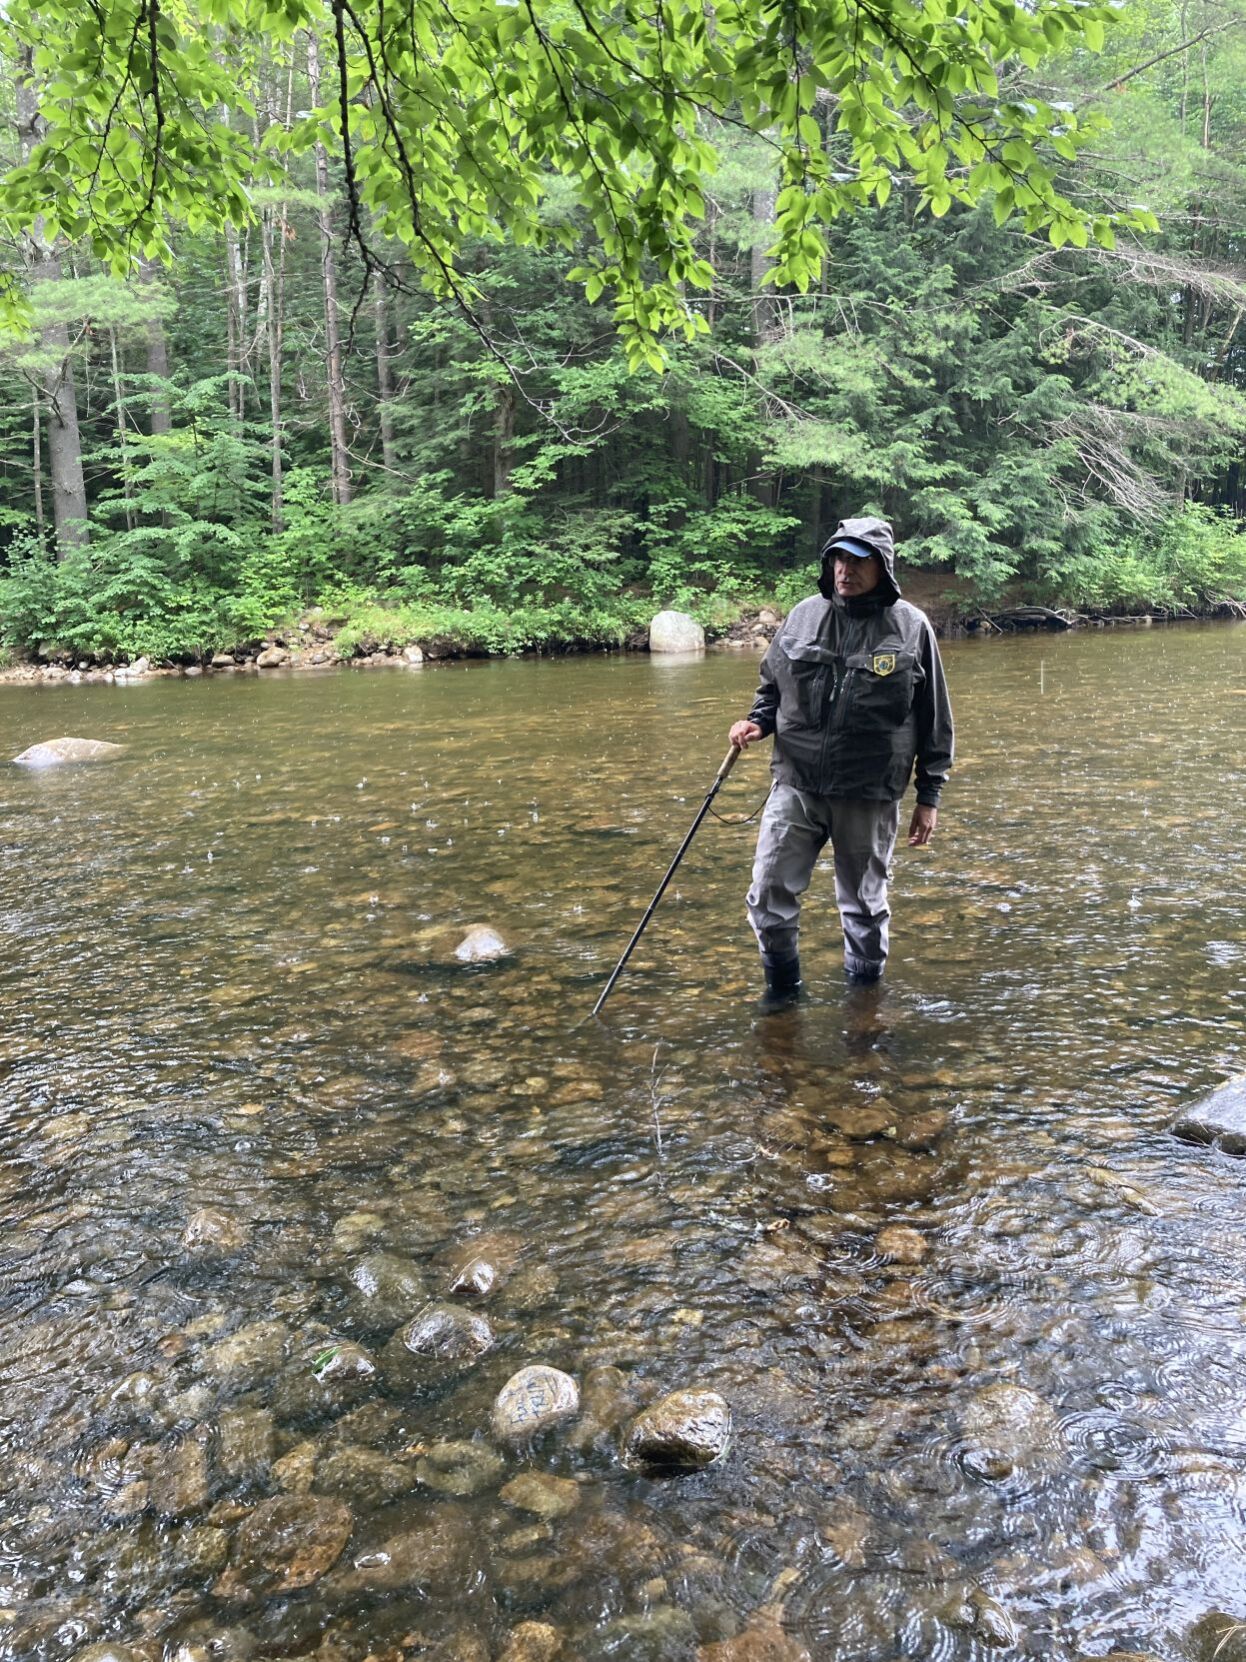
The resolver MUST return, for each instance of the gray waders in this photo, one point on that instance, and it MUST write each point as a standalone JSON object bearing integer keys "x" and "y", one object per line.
{"x": 795, "y": 827}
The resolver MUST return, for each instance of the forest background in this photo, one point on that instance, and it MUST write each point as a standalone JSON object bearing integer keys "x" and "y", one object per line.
{"x": 192, "y": 456}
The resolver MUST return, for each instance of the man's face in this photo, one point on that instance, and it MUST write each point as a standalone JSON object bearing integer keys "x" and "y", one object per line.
{"x": 856, "y": 576}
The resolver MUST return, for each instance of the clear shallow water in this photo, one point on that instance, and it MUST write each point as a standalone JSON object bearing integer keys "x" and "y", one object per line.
{"x": 225, "y": 985}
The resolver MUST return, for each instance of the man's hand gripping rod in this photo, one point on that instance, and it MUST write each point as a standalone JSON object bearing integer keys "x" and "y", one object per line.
{"x": 729, "y": 761}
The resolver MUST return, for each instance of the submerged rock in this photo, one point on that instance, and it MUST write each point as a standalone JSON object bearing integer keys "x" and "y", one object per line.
{"x": 481, "y": 945}
{"x": 901, "y": 1243}
{"x": 1006, "y": 1426}
{"x": 443, "y": 1341}
{"x": 542, "y": 1494}
{"x": 984, "y": 1617}
{"x": 179, "y": 1483}
{"x": 325, "y": 1382}
{"x": 764, "y": 1642}
{"x": 388, "y": 1289}
{"x": 684, "y": 1432}
{"x": 198, "y": 1552}
{"x": 213, "y": 1234}
{"x": 532, "y": 1642}
{"x": 459, "y": 1468}
{"x": 1219, "y": 1119}
{"x": 287, "y": 1543}
{"x": 482, "y": 1265}
{"x": 53, "y": 752}
{"x": 355, "y": 1470}
{"x": 246, "y": 1439}
{"x": 661, "y": 1634}
{"x": 675, "y": 632}
{"x": 1217, "y": 1637}
{"x": 609, "y": 1400}
{"x": 442, "y": 1553}
{"x": 248, "y": 1356}
{"x": 533, "y": 1400}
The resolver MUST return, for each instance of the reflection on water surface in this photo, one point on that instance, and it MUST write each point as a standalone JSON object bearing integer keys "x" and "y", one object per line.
{"x": 980, "y": 1321}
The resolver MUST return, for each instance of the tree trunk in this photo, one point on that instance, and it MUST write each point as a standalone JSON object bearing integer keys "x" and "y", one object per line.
{"x": 338, "y": 457}
{"x": 503, "y": 438}
{"x": 160, "y": 416}
{"x": 274, "y": 224}
{"x": 236, "y": 323}
{"x": 36, "y": 460}
{"x": 56, "y": 375}
{"x": 274, "y": 278}
{"x": 118, "y": 395}
{"x": 384, "y": 381}
{"x": 765, "y": 312}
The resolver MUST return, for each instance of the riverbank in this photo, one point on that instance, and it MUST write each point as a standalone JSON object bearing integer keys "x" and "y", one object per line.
{"x": 321, "y": 639}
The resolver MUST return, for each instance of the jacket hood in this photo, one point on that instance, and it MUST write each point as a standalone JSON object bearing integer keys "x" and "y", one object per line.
{"x": 876, "y": 534}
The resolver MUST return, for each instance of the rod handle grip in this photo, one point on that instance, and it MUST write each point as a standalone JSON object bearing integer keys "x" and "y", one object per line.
{"x": 729, "y": 761}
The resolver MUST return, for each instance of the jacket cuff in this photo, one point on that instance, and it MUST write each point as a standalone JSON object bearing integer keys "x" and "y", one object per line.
{"x": 764, "y": 719}
{"x": 927, "y": 798}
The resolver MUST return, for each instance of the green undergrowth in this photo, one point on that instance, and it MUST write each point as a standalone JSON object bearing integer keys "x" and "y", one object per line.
{"x": 128, "y": 595}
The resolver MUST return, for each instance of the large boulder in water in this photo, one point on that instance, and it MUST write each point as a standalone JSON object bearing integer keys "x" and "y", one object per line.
{"x": 1219, "y": 1118}
{"x": 676, "y": 632}
{"x": 53, "y": 752}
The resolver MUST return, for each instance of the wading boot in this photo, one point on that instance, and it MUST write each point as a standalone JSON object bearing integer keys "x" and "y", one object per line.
{"x": 783, "y": 983}
{"x": 861, "y": 973}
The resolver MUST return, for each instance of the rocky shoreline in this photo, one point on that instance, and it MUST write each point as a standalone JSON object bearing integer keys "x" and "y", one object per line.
{"x": 311, "y": 643}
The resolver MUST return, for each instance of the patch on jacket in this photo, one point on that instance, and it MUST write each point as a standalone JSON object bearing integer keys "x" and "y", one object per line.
{"x": 884, "y": 663}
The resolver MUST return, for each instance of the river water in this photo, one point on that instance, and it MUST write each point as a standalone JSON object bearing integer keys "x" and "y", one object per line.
{"x": 229, "y": 983}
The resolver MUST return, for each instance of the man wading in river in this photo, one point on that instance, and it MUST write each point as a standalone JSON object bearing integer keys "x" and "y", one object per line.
{"x": 853, "y": 690}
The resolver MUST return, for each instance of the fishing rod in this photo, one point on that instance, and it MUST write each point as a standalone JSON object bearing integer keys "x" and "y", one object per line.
{"x": 729, "y": 761}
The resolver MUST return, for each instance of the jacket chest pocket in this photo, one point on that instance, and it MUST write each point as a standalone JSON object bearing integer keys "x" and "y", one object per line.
{"x": 807, "y": 674}
{"x": 882, "y": 686}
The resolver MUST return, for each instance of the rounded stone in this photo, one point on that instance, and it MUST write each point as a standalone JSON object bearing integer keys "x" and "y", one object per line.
{"x": 764, "y": 1642}
{"x": 686, "y": 1431}
{"x": 1006, "y": 1426}
{"x": 481, "y": 945}
{"x": 388, "y": 1289}
{"x": 532, "y": 1642}
{"x": 213, "y": 1234}
{"x": 675, "y": 632}
{"x": 342, "y": 1362}
{"x": 542, "y": 1494}
{"x": 533, "y": 1400}
{"x": 442, "y": 1341}
{"x": 459, "y": 1468}
{"x": 901, "y": 1243}
{"x": 289, "y": 1542}
{"x": 54, "y": 752}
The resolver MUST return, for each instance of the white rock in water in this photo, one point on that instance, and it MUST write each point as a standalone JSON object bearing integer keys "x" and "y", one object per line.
{"x": 52, "y": 752}
{"x": 413, "y": 654}
{"x": 532, "y": 1400}
{"x": 676, "y": 632}
{"x": 481, "y": 946}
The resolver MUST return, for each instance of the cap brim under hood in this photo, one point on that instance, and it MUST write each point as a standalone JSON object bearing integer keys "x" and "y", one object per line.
{"x": 876, "y": 534}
